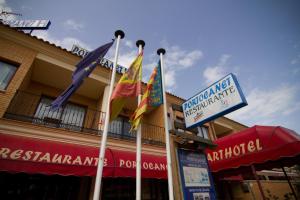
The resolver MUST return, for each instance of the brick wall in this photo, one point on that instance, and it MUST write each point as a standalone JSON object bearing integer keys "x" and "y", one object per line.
{"x": 15, "y": 54}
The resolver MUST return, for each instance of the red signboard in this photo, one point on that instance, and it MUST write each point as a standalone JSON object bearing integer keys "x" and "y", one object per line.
{"x": 255, "y": 145}
{"x": 22, "y": 154}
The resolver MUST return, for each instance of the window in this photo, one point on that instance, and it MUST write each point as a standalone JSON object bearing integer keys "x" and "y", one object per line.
{"x": 203, "y": 132}
{"x": 70, "y": 116}
{"x": 120, "y": 126}
{"x": 6, "y": 73}
{"x": 170, "y": 123}
{"x": 180, "y": 120}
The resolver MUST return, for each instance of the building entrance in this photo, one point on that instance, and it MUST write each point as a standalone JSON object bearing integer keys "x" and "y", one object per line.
{"x": 43, "y": 187}
{"x": 124, "y": 189}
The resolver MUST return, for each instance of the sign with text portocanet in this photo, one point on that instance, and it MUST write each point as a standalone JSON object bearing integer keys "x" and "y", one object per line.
{"x": 104, "y": 62}
{"x": 28, "y": 24}
{"x": 222, "y": 97}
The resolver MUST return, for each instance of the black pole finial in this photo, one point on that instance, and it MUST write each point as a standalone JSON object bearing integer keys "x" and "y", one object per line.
{"x": 140, "y": 42}
{"x": 119, "y": 33}
{"x": 161, "y": 50}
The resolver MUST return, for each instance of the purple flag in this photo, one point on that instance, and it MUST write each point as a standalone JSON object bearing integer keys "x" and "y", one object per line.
{"x": 91, "y": 57}
{"x": 84, "y": 67}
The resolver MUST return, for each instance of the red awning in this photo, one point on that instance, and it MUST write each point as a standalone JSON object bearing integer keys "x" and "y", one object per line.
{"x": 255, "y": 145}
{"x": 23, "y": 154}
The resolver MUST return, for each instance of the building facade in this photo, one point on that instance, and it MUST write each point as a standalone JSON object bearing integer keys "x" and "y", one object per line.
{"x": 52, "y": 154}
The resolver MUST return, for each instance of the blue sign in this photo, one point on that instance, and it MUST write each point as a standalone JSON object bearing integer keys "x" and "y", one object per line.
{"x": 221, "y": 98}
{"x": 28, "y": 24}
{"x": 196, "y": 179}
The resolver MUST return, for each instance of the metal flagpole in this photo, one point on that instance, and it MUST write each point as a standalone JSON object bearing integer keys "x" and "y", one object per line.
{"x": 119, "y": 34}
{"x": 140, "y": 44}
{"x": 161, "y": 52}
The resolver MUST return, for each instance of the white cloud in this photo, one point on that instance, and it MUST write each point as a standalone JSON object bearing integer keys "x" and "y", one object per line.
{"x": 213, "y": 73}
{"x": 150, "y": 66}
{"x": 267, "y": 106}
{"x": 26, "y": 8}
{"x": 175, "y": 60}
{"x": 179, "y": 59}
{"x": 190, "y": 58}
{"x": 125, "y": 59}
{"x": 128, "y": 43}
{"x": 296, "y": 60}
{"x": 70, "y": 24}
{"x": 127, "y": 53}
{"x": 66, "y": 42}
{"x": 295, "y": 71}
{"x": 170, "y": 80}
{"x": 6, "y": 8}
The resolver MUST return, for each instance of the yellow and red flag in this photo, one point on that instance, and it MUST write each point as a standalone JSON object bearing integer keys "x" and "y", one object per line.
{"x": 130, "y": 85}
{"x": 151, "y": 98}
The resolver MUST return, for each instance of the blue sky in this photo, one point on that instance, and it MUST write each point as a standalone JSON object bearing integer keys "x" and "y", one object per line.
{"x": 257, "y": 40}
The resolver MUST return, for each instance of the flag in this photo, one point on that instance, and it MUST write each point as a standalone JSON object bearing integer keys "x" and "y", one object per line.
{"x": 83, "y": 69}
{"x": 128, "y": 86}
{"x": 151, "y": 98}
{"x": 156, "y": 95}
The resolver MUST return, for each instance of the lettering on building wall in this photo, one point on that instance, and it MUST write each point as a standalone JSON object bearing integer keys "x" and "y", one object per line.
{"x": 46, "y": 157}
{"x": 145, "y": 165}
{"x": 235, "y": 151}
{"x": 104, "y": 62}
{"x": 55, "y": 158}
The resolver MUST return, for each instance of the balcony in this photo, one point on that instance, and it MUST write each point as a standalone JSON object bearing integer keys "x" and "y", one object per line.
{"x": 34, "y": 109}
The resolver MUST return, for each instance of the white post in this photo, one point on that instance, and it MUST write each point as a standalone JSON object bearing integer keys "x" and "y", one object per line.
{"x": 161, "y": 52}
{"x": 119, "y": 35}
{"x": 140, "y": 44}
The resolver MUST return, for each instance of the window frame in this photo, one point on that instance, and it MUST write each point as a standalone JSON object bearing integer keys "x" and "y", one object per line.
{"x": 11, "y": 63}
{"x": 124, "y": 120}
{"x": 201, "y": 132}
{"x": 62, "y": 111}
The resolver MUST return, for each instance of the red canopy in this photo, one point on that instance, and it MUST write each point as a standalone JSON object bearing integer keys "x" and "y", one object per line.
{"x": 255, "y": 145}
{"x": 23, "y": 154}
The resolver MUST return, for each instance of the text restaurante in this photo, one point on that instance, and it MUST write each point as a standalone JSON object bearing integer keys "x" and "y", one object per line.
{"x": 208, "y": 97}
{"x": 55, "y": 158}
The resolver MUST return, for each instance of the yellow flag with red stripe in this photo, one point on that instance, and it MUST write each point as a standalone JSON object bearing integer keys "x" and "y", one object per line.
{"x": 129, "y": 85}
{"x": 144, "y": 105}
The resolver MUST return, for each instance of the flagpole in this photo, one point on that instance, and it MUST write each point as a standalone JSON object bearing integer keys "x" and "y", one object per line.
{"x": 161, "y": 52}
{"x": 119, "y": 34}
{"x": 140, "y": 44}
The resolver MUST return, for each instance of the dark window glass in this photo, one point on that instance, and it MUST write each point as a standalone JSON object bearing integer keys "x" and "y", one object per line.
{"x": 70, "y": 115}
{"x": 203, "y": 132}
{"x": 47, "y": 187}
{"x": 6, "y": 73}
{"x": 120, "y": 126}
{"x": 170, "y": 123}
